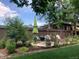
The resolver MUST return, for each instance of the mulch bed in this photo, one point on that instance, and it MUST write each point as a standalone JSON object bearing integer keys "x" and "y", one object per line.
{"x": 38, "y": 48}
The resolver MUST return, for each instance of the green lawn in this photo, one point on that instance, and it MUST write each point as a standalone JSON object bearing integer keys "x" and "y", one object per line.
{"x": 60, "y": 53}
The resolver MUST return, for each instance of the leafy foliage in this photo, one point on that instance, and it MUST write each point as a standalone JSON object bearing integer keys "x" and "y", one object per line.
{"x": 28, "y": 44}
{"x": 20, "y": 3}
{"x": 15, "y": 29}
{"x": 2, "y": 43}
{"x": 55, "y": 11}
{"x": 10, "y": 45}
{"x": 40, "y": 6}
{"x": 23, "y": 49}
{"x": 72, "y": 39}
{"x": 58, "y": 12}
{"x": 75, "y": 3}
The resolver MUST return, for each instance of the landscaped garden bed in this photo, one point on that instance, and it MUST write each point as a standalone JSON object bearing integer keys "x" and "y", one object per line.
{"x": 10, "y": 48}
{"x": 21, "y": 42}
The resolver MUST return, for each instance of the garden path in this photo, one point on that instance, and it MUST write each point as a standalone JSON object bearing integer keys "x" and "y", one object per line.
{"x": 3, "y": 53}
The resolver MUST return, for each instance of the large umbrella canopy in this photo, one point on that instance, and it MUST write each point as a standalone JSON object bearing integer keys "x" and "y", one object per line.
{"x": 35, "y": 27}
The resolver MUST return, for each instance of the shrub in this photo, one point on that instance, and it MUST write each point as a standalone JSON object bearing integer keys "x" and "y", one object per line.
{"x": 28, "y": 44}
{"x": 72, "y": 39}
{"x": 19, "y": 44}
{"x": 15, "y": 29}
{"x": 69, "y": 38}
{"x": 23, "y": 49}
{"x": 2, "y": 43}
{"x": 35, "y": 38}
{"x": 10, "y": 45}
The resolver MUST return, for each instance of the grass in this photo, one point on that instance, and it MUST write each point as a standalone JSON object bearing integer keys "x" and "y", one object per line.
{"x": 60, "y": 53}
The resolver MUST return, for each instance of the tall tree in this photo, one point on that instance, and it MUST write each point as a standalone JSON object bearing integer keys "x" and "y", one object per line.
{"x": 75, "y": 4}
{"x": 59, "y": 12}
{"x": 55, "y": 11}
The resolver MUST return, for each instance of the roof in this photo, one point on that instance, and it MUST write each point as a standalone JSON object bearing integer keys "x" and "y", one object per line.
{"x": 2, "y": 26}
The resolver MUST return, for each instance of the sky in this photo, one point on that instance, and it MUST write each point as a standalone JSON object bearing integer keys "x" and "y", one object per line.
{"x": 26, "y": 14}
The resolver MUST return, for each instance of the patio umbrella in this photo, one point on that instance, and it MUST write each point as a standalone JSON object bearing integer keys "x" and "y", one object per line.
{"x": 35, "y": 27}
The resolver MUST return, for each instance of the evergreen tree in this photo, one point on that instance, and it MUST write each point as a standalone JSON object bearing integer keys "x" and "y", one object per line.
{"x": 15, "y": 29}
